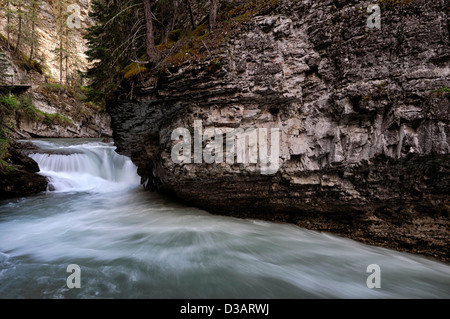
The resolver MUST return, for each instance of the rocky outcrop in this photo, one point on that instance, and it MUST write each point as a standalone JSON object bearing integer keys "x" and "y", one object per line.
{"x": 61, "y": 116}
{"x": 46, "y": 31}
{"x": 42, "y": 110}
{"x": 18, "y": 176}
{"x": 363, "y": 116}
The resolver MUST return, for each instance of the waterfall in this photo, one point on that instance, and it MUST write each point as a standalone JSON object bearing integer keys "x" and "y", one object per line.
{"x": 135, "y": 244}
{"x": 94, "y": 167}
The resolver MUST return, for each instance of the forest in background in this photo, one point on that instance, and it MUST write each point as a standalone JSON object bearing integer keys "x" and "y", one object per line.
{"x": 151, "y": 36}
{"x": 125, "y": 44}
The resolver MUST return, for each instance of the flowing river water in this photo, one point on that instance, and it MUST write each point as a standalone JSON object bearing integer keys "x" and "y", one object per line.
{"x": 130, "y": 243}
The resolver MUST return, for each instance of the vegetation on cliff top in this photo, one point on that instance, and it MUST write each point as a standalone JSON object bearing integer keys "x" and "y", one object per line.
{"x": 178, "y": 31}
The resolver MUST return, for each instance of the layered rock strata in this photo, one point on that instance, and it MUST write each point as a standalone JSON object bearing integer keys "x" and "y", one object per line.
{"x": 363, "y": 116}
{"x": 19, "y": 178}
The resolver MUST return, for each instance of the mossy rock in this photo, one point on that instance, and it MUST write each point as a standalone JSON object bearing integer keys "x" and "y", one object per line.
{"x": 215, "y": 65}
{"x": 18, "y": 174}
{"x": 201, "y": 30}
{"x": 134, "y": 70}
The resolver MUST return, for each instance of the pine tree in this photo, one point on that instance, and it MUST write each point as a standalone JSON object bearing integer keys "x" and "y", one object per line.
{"x": 66, "y": 42}
{"x": 34, "y": 20}
{"x": 3, "y": 67}
{"x": 117, "y": 38}
{"x": 22, "y": 20}
{"x": 20, "y": 17}
{"x": 191, "y": 15}
{"x": 71, "y": 59}
{"x": 128, "y": 32}
{"x": 150, "y": 43}
{"x": 213, "y": 14}
{"x": 10, "y": 15}
{"x": 103, "y": 73}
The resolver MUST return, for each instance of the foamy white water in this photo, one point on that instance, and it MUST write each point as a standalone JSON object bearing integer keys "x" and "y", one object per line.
{"x": 92, "y": 166}
{"x": 135, "y": 244}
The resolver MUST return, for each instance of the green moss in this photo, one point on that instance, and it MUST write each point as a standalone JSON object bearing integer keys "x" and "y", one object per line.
{"x": 215, "y": 65}
{"x": 134, "y": 69}
{"x": 444, "y": 90}
{"x": 28, "y": 110}
{"x": 9, "y": 101}
{"x": 180, "y": 56}
{"x": 200, "y": 44}
{"x": 53, "y": 87}
{"x": 381, "y": 87}
{"x": 164, "y": 46}
{"x": 4, "y": 145}
{"x": 201, "y": 30}
{"x": 36, "y": 66}
{"x": 55, "y": 119}
{"x": 244, "y": 12}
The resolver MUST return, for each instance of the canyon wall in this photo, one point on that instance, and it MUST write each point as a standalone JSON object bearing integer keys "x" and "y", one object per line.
{"x": 363, "y": 116}
{"x": 48, "y": 112}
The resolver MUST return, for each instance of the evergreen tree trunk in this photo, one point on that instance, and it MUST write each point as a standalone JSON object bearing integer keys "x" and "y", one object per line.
{"x": 66, "y": 57}
{"x": 33, "y": 33}
{"x": 31, "y": 44}
{"x": 191, "y": 16}
{"x": 150, "y": 43}
{"x": 117, "y": 43}
{"x": 175, "y": 16}
{"x": 60, "y": 66}
{"x": 212, "y": 15}
{"x": 60, "y": 53}
{"x": 67, "y": 72}
{"x": 164, "y": 28}
{"x": 8, "y": 21}
{"x": 19, "y": 34}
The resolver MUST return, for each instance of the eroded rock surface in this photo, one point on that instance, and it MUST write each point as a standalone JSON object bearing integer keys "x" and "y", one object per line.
{"x": 19, "y": 177}
{"x": 364, "y": 122}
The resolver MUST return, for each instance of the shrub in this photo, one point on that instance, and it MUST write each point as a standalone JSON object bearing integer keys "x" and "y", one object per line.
{"x": 9, "y": 101}
{"x": 444, "y": 90}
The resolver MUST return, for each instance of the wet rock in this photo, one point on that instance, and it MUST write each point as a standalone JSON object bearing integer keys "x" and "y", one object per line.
{"x": 18, "y": 177}
{"x": 365, "y": 138}
{"x": 18, "y": 156}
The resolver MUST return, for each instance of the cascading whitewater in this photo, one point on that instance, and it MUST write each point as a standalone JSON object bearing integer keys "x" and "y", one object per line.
{"x": 129, "y": 243}
{"x": 92, "y": 166}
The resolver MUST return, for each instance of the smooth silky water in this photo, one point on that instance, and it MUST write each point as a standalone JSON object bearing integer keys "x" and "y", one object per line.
{"x": 135, "y": 244}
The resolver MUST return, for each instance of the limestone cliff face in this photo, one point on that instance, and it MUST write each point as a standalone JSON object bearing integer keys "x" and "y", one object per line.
{"x": 363, "y": 113}
{"x": 46, "y": 31}
{"x": 83, "y": 120}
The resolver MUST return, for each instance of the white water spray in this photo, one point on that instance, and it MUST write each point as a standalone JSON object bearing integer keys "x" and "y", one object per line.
{"x": 137, "y": 244}
{"x": 93, "y": 167}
